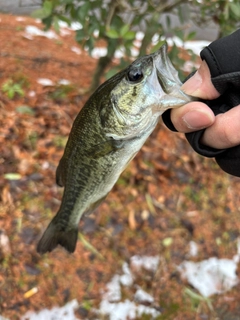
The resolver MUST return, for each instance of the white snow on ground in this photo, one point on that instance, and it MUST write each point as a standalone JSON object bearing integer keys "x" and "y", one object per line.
{"x": 211, "y": 276}
{"x": 126, "y": 310}
{"x": 64, "y": 82}
{"x": 146, "y": 262}
{"x": 193, "y": 249}
{"x": 113, "y": 289}
{"x": 76, "y": 50}
{"x": 45, "y": 82}
{"x": 98, "y": 52}
{"x": 57, "y": 313}
{"x": 74, "y": 25}
{"x": 48, "y": 82}
{"x": 32, "y": 31}
{"x": 20, "y": 19}
{"x": 112, "y": 304}
{"x": 143, "y": 296}
{"x": 126, "y": 278}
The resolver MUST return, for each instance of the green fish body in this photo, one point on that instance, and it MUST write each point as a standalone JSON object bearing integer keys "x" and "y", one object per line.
{"x": 106, "y": 135}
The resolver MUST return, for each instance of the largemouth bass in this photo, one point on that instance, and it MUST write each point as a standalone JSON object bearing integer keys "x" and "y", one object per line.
{"x": 106, "y": 135}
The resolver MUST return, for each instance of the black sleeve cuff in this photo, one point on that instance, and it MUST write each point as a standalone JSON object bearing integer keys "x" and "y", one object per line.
{"x": 166, "y": 116}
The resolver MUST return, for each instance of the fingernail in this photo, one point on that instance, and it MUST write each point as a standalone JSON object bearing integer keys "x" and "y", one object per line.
{"x": 197, "y": 119}
{"x": 192, "y": 85}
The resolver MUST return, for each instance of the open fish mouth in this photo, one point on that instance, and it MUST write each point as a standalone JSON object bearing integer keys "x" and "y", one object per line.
{"x": 168, "y": 79}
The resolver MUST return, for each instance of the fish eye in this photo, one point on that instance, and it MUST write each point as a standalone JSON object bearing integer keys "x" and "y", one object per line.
{"x": 135, "y": 75}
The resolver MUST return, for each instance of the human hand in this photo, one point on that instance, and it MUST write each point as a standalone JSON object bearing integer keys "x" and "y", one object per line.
{"x": 223, "y": 131}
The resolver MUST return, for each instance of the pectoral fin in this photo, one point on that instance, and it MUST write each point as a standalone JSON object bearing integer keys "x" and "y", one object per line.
{"x": 102, "y": 149}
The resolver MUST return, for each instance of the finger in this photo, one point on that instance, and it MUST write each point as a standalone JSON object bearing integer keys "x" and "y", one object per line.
{"x": 200, "y": 84}
{"x": 192, "y": 116}
{"x": 225, "y": 131}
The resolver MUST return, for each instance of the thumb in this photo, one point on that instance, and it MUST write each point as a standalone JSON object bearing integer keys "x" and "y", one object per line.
{"x": 200, "y": 84}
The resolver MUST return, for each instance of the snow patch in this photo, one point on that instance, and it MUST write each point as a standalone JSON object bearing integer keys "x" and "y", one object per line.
{"x": 146, "y": 262}
{"x": 20, "y": 19}
{"x": 111, "y": 304}
{"x": 126, "y": 278}
{"x": 113, "y": 290}
{"x": 32, "y": 31}
{"x": 31, "y": 93}
{"x": 143, "y": 296}
{"x": 4, "y": 243}
{"x": 64, "y": 313}
{"x": 64, "y": 82}
{"x": 73, "y": 26}
{"x": 193, "y": 249}
{"x": 76, "y": 50}
{"x": 98, "y": 52}
{"x": 210, "y": 276}
{"x": 45, "y": 82}
{"x": 126, "y": 310}
{"x": 64, "y": 32}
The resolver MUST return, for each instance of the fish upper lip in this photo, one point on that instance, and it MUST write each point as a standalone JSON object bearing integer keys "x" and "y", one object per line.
{"x": 168, "y": 78}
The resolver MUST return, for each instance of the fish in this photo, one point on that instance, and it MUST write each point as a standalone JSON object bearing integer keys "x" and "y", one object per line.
{"x": 106, "y": 135}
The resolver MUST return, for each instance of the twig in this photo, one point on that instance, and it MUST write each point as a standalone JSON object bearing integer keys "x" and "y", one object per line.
{"x": 39, "y": 59}
{"x": 112, "y": 7}
{"x": 168, "y": 7}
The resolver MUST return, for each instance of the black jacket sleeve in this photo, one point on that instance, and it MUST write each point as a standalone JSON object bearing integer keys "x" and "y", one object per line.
{"x": 223, "y": 59}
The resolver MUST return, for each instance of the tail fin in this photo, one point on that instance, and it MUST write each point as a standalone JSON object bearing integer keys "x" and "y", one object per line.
{"x": 52, "y": 237}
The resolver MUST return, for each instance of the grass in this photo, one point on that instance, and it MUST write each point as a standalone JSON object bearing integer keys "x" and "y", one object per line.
{"x": 12, "y": 89}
